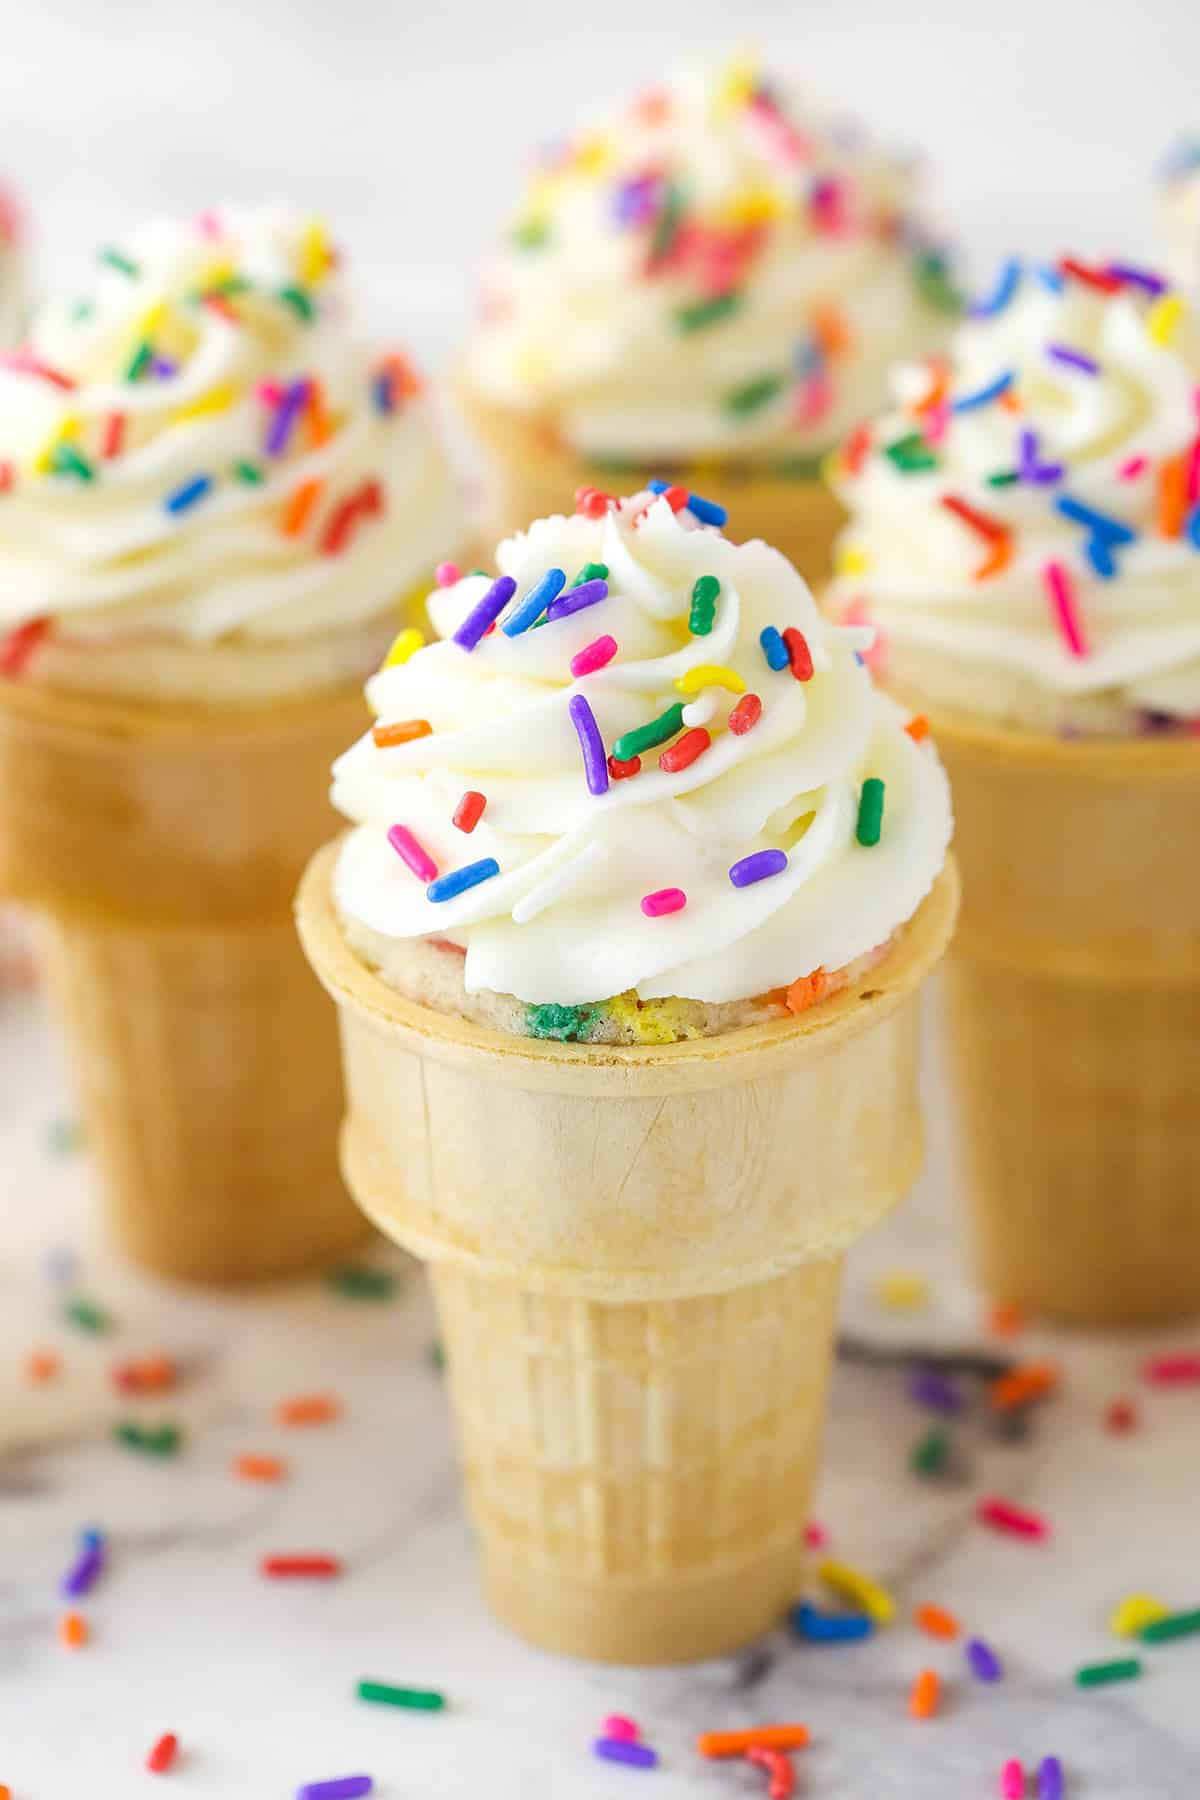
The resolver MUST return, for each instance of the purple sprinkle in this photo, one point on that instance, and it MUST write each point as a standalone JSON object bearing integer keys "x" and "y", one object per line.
{"x": 620, "y": 1750}
{"x": 595, "y": 762}
{"x": 285, "y": 416}
{"x": 1143, "y": 278}
{"x": 985, "y": 1664}
{"x": 929, "y": 1387}
{"x": 1075, "y": 359}
{"x": 1039, "y": 473}
{"x": 342, "y": 1787}
{"x": 636, "y": 201}
{"x": 163, "y": 367}
{"x": 1050, "y": 1779}
{"x": 588, "y": 593}
{"x": 81, "y": 1577}
{"x": 485, "y": 612}
{"x": 758, "y": 867}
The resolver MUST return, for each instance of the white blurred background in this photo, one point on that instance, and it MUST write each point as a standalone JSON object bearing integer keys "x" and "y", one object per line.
{"x": 1042, "y": 122}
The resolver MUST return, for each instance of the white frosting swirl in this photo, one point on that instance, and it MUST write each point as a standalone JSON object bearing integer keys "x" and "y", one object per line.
{"x": 562, "y": 920}
{"x": 1034, "y": 613}
{"x": 716, "y": 191}
{"x": 214, "y": 358}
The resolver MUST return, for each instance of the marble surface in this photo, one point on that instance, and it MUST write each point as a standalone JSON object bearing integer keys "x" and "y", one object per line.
{"x": 258, "y": 1678}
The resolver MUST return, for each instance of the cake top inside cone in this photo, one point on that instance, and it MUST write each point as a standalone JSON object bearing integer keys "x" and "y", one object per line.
{"x": 1026, "y": 523}
{"x": 715, "y": 266}
{"x": 202, "y": 449}
{"x": 638, "y": 763}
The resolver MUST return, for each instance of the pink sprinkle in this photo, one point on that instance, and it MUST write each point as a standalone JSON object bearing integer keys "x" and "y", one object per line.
{"x": 270, "y": 393}
{"x": 208, "y": 224}
{"x": 1137, "y": 465}
{"x": 1002, "y": 1515}
{"x": 593, "y": 656}
{"x": 1012, "y": 1780}
{"x": 935, "y": 422}
{"x": 815, "y": 1536}
{"x": 858, "y": 613}
{"x": 412, "y": 854}
{"x": 626, "y": 1731}
{"x": 813, "y": 399}
{"x": 665, "y": 900}
{"x": 1193, "y": 474}
{"x": 1182, "y": 1369}
{"x": 447, "y": 574}
{"x": 1065, "y": 606}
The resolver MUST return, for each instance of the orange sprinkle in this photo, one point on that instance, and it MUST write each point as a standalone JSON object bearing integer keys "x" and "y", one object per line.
{"x": 936, "y": 1621}
{"x": 925, "y": 1693}
{"x": 736, "y": 1743}
{"x": 73, "y": 1630}
{"x": 1029, "y": 1382}
{"x": 405, "y": 380}
{"x": 1010, "y": 401}
{"x": 42, "y": 1365}
{"x": 308, "y": 1409}
{"x": 5, "y": 1791}
{"x": 259, "y": 1468}
{"x": 855, "y": 448}
{"x": 806, "y": 991}
{"x": 320, "y": 425}
{"x": 1172, "y": 495}
{"x": 831, "y": 328}
{"x": 939, "y": 388}
{"x": 918, "y": 728}
{"x": 997, "y": 558}
{"x": 1006, "y": 1319}
{"x": 147, "y": 1375}
{"x": 299, "y": 509}
{"x": 404, "y": 731}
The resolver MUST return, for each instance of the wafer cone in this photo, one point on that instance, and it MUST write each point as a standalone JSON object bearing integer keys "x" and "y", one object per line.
{"x": 532, "y": 474}
{"x": 635, "y": 1255}
{"x": 1074, "y": 999}
{"x": 158, "y": 850}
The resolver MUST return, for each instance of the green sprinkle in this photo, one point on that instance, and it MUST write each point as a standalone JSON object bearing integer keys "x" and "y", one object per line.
{"x": 82, "y": 309}
{"x": 1003, "y": 478}
{"x": 64, "y": 1137}
{"x": 300, "y": 302}
{"x": 591, "y": 572}
{"x": 1125, "y": 1668}
{"x": 870, "y": 811}
{"x": 670, "y": 218}
{"x": 534, "y": 234}
{"x": 929, "y": 1456}
{"x": 806, "y": 467}
{"x": 704, "y": 604}
{"x": 569, "y": 1023}
{"x": 435, "y": 1356}
{"x": 140, "y": 361}
{"x": 932, "y": 275}
{"x": 645, "y": 737}
{"x": 707, "y": 312}
{"x": 117, "y": 259}
{"x": 911, "y": 453}
{"x": 87, "y": 1316}
{"x": 232, "y": 284}
{"x": 68, "y": 461}
{"x": 752, "y": 394}
{"x": 1175, "y": 1625}
{"x": 248, "y": 471}
{"x": 360, "y": 1282}
{"x": 414, "y": 1699}
{"x": 163, "y": 1440}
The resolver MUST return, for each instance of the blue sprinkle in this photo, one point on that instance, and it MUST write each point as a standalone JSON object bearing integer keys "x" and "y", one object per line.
{"x": 1113, "y": 531}
{"x": 1192, "y": 528}
{"x": 1001, "y": 294}
{"x": 658, "y": 485}
{"x": 985, "y": 395}
{"x": 485, "y": 612}
{"x": 1050, "y": 278}
{"x": 1098, "y": 551}
{"x": 188, "y": 494}
{"x": 773, "y": 648}
{"x": 530, "y": 609}
{"x": 829, "y": 1628}
{"x": 707, "y": 511}
{"x": 448, "y": 887}
{"x": 382, "y": 393}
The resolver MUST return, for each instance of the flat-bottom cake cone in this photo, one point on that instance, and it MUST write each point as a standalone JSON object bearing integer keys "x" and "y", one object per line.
{"x": 1074, "y": 1008}
{"x": 158, "y": 849}
{"x": 532, "y": 474}
{"x": 635, "y": 1255}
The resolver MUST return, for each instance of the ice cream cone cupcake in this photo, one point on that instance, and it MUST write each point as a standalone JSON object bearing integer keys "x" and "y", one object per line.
{"x": 626, "y": 944}
{"x": 1026, "y": 535}
{"x": 709, "y": 286}
{"x": 217, "y": 499}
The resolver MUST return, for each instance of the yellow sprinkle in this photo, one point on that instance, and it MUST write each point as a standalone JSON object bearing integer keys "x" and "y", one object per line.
{"x": 754, "y": 206}
{"x": 314, "y": 253}
{"x": 736, "y": 84}
{"x": 1164, "y": 318}
{"x": 1136, "y": 1610}
{"x": 217, "y": 400}
{"x": 148, "y": 322}
{"x": 851, "y": 1584}
{"x": 903, "y": 1291}
{"x": 592, "y": 155}
{"x": 851, "y": 561}
{"x": 710, "y": 675}
{"x": 43, "y": 458}
{"x": 407, "y": 644}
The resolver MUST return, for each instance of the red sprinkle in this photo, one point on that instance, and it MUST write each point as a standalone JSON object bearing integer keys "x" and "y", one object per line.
{"x": 163, "y": 1754}
{"x": 1094, "y": 278}
{"x": 1002, "y": 1515}
{"x": 745, "y": 715}
{"x": 17, "y": 648}
{"x": 676, "y": 498}
{"x": 146, "y": 1375}
{"x": 622, "y": 771}
{"x": 113, "y": 440}
{"x": 26, "y": 363}
{"x": 684, "y": 751}
{"x": 1180, "y": 1369}
{"x": 778, "y": 1767}
{"x": 854, "y": 450}
{"x": 279, "y": 1568}
{"x": 981, "y": 523}
{"x": 469, "y": 810}
{"x": 1121, "y": 1415}
{"x": 366, "y": 500}
{"x": 799, "y": 654}
{"x": 592, "y": 502}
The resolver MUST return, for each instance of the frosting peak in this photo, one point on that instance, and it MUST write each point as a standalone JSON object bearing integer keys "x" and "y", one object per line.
{"x": 673, "y": 750}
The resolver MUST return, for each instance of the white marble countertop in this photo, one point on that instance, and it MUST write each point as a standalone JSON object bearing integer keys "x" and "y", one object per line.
{"x": 258, "y": 1678}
